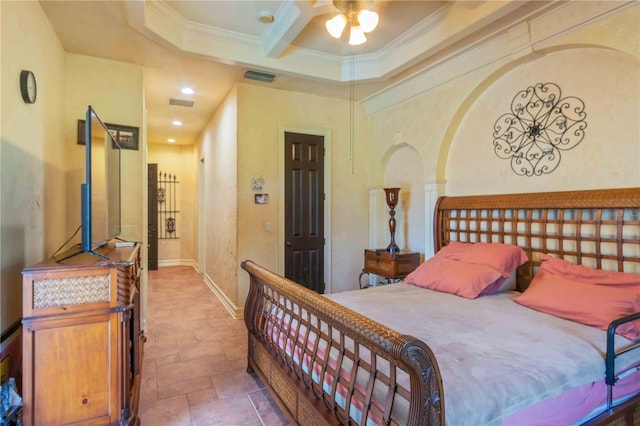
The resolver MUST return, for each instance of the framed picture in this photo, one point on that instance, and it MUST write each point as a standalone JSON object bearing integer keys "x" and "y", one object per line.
{"x": 81, "y": 140}
{"x": 261, "y": 198}
{"x": 257, "y": 184}
{"x": 126, "y": 136}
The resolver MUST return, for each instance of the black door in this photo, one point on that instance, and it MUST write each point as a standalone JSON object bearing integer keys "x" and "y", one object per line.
{"x": 152, "y": 229}
{"x": 304, "y": 210}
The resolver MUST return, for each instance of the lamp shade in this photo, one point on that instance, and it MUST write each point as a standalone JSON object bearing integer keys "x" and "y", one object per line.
{"x": 336, "y": 25}
{"x": 391, "y": 195}
{"x": 368, "y": 20}
{"x": 357, "y": 36}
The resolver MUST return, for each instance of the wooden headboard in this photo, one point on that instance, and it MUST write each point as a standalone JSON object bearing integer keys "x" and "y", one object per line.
{"x": 597, "y": 228}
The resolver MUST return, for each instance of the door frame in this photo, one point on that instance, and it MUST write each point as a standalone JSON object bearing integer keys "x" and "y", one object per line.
{"x": 326, "y": 134}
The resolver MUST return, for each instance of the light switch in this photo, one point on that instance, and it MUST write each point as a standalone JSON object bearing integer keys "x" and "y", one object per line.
{"x": 267, "y": 226}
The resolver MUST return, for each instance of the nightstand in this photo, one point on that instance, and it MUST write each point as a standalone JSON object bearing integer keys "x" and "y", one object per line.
{"x": 392, "y": 266}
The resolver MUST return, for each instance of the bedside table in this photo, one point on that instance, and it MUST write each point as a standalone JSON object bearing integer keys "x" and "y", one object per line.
{"x": 392, "y": 266}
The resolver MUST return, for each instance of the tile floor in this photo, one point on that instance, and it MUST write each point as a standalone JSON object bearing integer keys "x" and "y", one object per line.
{"x": 194, "y": 361}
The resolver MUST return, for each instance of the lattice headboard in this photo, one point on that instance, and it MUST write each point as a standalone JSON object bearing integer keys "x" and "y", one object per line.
{"x": 597, "y": 228}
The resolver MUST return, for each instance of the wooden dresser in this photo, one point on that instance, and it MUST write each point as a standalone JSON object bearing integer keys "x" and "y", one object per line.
{"x": 82, "y": 343}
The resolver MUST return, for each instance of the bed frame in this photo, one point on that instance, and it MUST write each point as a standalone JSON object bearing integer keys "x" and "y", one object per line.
{"x": 599, "y": 228}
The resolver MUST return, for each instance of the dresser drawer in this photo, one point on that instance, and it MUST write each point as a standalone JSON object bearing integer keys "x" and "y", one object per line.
{"x": 52, "y": 293}
{"x": 390, "y": 265}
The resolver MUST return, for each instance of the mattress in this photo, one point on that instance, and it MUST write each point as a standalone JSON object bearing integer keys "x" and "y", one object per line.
{"x": 501, "y": 363}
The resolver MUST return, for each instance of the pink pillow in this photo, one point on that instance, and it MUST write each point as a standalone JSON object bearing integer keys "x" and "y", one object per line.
{"x": 502, "y": 257}
{"x": 587, "y": 275}
{"x": 452, "y": 276}
{"x": 594, "y": 305}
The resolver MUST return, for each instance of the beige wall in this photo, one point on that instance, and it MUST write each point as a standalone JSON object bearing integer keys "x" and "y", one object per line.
{"x": 219, "y": 149}
{"x": 447, "y": 114}
{"x": 404, "y": 170}
{"x": 609, "y": 154}
{"x": 263, "y": 114}
{"x": 114, "y": 90}
{"x": 42, "y": 165}
{"x": 32, "y": 152}
{"x": 242, "y": 141}
{"x": 179, "y": 160}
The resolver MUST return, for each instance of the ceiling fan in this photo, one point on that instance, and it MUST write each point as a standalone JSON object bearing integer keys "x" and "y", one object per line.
{"x": 359, "y": 16}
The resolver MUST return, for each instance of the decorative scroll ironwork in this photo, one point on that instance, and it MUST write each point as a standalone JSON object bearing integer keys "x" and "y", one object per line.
{"x": 539, "y": 126}
{"x": 167, "y": 209}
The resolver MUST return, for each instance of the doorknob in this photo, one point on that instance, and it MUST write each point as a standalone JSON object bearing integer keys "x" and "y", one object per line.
{"x": 288, "y": 243}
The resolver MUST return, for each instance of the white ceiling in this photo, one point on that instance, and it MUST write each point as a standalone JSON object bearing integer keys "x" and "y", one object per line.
{"x": 208, "y": 45}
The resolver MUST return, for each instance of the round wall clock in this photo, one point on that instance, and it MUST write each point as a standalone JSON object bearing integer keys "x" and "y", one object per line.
{"x": 28, "y": 87}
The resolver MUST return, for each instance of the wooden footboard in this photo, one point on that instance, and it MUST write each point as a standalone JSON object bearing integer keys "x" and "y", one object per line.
{"x": 326, "y": 364}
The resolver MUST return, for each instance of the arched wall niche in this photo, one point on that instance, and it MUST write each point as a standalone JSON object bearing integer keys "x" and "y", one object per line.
{"x": 401, "y": 165}
{"x": 607, "y": 80}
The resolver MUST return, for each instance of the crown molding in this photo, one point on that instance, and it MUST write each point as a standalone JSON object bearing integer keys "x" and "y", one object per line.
{"x": 429, "y": 36}
{"x": 285, "y": 27}
{"x": 290, "y": 19}
{"x": 538, "y": 31}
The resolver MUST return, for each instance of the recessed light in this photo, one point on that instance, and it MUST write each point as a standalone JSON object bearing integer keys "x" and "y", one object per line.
{"x": 187, "y": 91}
{"x": 171, "y": 140}
{"x": 176, "y": 123}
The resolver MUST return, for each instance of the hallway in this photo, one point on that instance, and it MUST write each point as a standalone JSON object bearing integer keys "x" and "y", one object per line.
{"x": 194, "y": 362}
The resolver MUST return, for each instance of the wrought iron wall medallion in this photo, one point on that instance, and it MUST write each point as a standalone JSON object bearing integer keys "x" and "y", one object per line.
{"x": 539, "y": 126}
{"x": 171, "y": 225}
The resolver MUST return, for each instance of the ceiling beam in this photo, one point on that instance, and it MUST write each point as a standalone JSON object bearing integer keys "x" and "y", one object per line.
{"x": 290, "y": 19}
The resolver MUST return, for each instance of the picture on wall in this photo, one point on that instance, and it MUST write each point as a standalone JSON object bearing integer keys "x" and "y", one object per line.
{"x": 262, "y": 198}
{"x": 257, "y": 183}
{"x": 126, "y": 136}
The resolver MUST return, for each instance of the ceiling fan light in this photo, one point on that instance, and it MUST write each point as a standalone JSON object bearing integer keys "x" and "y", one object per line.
{"x": 356, "y": 36}
{"x": 336, "y": 25}
{"x": 368, "y": 20}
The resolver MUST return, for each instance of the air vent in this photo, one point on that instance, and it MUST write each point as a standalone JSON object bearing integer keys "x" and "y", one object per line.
{"x": 181, "y": 102}
{"x": 259, "y": 75}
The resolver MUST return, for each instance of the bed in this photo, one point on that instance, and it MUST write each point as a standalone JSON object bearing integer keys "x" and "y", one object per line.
{"x": 325, "y": 363}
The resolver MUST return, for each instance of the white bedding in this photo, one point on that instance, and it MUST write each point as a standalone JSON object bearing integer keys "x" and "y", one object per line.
{"x": 496, "y": 357}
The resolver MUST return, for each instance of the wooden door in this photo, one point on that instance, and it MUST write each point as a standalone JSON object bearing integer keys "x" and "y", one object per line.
{"x": 152, "y": 212}
{"x": 304, "y": 210}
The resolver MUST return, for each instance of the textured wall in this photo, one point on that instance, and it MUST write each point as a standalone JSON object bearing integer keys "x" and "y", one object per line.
{"x": 179, "y": 160}
{"x": 263, "y": 116}
{"x": 114, "y": 90}
{"x": 448, "y": 117}
{"x": 609, "y": 154}
{"x": 404, "y": 170}
{"x": 242, "y": 141}
{"x": 32, "y": 152}
{"x": 219, "y": 147}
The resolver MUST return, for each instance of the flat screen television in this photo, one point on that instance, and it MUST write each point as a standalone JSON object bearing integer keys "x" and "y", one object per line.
{"x": 100, "y": 193}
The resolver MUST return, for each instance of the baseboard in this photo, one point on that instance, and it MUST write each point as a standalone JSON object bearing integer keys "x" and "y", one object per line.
{"x": 178, "y": 262}
{"x": 236, "y": 312}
